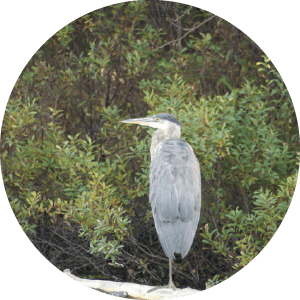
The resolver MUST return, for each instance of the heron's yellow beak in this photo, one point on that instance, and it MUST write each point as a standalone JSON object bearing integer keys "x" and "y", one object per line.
{"x": 140, "y": 121}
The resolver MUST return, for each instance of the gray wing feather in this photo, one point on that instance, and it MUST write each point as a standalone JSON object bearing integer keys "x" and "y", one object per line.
{"x": 175, "y": 196}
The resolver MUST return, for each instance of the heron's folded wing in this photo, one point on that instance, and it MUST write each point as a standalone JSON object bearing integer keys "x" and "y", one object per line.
{"x": 175, "y": 196}
{"x": 175, "y": 182}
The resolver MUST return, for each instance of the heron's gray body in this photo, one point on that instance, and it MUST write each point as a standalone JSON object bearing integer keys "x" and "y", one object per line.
{"x": 175, "y": 195}
{"x": 175, "y": 186}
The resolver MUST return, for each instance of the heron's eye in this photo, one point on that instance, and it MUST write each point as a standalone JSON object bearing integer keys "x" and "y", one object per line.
{"x": 157, "y": 119}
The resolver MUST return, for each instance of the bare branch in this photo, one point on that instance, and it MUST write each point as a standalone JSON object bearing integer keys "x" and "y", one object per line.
{"x": 187, "y": 12}
{"x": 191, "y": 30}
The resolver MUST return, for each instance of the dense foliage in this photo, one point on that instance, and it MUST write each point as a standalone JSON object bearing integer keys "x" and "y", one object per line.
{"x": 77, "y": 178}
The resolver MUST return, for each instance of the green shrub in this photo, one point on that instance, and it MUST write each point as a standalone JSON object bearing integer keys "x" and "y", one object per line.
{"x": 244, "y": 235}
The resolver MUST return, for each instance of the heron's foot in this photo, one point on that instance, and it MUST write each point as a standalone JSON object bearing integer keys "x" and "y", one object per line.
{"x": 169, "y": 286}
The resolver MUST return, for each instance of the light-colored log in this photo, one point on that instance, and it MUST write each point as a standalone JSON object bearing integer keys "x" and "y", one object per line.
{"x": 136, "y": 291}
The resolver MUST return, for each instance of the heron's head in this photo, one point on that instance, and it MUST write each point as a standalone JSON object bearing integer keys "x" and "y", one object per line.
{"x": 160, "y": 121}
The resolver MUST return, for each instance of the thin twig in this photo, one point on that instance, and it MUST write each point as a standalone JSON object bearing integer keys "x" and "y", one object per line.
{"x": 174, "y": 41}
{"x": 184, "y": 14}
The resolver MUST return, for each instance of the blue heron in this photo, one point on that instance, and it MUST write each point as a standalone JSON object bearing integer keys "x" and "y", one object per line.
{"x": 175, "y": 187}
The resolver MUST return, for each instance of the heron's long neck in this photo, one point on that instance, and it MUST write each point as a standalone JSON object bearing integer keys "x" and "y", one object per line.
{"x": 159, "y": 136}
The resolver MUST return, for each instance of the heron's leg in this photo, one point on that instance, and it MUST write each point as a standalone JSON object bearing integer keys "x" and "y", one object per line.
{"x": 170, "y": 285}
